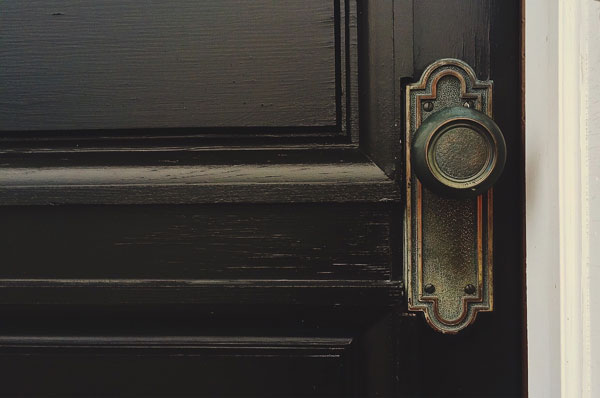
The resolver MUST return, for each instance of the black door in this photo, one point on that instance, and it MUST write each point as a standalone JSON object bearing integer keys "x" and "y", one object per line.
{"x": 207, "y": 198}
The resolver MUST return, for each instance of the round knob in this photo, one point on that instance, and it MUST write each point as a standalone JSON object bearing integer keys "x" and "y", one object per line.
{"x": 458, "y": 152}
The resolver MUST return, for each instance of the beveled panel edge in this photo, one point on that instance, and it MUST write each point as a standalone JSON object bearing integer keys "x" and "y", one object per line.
{"x": 176, "y": 342}
{"x": 344, "y": 131}
{"x": 204, "y": 176}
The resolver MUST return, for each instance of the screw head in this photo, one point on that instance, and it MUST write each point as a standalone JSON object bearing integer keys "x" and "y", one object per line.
{"x": 470, "y": 289}
{"x": 428, "y": 106}
{"x": 429, "y": 288}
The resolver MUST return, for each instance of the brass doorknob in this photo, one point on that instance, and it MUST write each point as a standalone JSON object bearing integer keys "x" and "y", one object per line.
{"x": 458, "y": 152}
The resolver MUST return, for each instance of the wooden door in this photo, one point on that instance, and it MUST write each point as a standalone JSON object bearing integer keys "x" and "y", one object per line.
{"x": 206, "y": 199}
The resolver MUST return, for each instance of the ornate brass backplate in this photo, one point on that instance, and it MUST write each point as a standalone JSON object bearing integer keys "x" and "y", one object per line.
{"x": 448, "y": 260}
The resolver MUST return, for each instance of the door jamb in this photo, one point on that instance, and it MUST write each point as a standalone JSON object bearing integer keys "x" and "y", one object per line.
{"x": 558, "y": 43}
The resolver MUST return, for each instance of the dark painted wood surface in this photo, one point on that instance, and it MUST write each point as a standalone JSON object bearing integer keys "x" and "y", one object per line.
{"x": 381, "y": 132}
{"x": 103, "y": 64}
{"x": 294, "y": 285}
{"x": 294, "y": 179}
{"x": 260, "y": 242}
{"x": 176, "y": 366}
{"x": 486, "y": 359}
{"x": 453, "y": 29}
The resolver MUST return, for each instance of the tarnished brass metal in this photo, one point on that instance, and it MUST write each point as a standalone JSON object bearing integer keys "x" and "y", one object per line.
{"x": 458, "y": 152}
{"x": 454, "y": 154}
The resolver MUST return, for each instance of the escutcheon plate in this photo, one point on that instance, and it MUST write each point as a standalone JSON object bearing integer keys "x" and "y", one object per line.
{"x": 448, "y": 261}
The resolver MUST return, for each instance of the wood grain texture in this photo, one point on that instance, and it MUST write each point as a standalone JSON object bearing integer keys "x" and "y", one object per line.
{"x": 349, "y": 84}
{"x": 247, "y": 278}
{"x": 96, "y": 64}
{"x": 452, "y": 29}
{"x": 224, "y": 242}
{"x": 485, "y": 34}
{"x": 177, "y": 366}
{"x": 200, "y": 194}
{"x": 379, "y": 58}
{"x": 190, "y": 175}
{"x": 209, "y": 175}
{"x": 176, "y": 342}
{"x": 403, "y": 43}
{"x": 291, "y": 183}
{"x": 229, "y": 298}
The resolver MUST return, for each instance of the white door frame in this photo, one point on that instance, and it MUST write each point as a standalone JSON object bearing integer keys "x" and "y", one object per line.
{"x": 562, "y": 105}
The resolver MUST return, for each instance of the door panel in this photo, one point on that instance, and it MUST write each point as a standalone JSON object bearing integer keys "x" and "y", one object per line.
{"x": 211, "y": 203}
{"x": 118, "y": 65}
